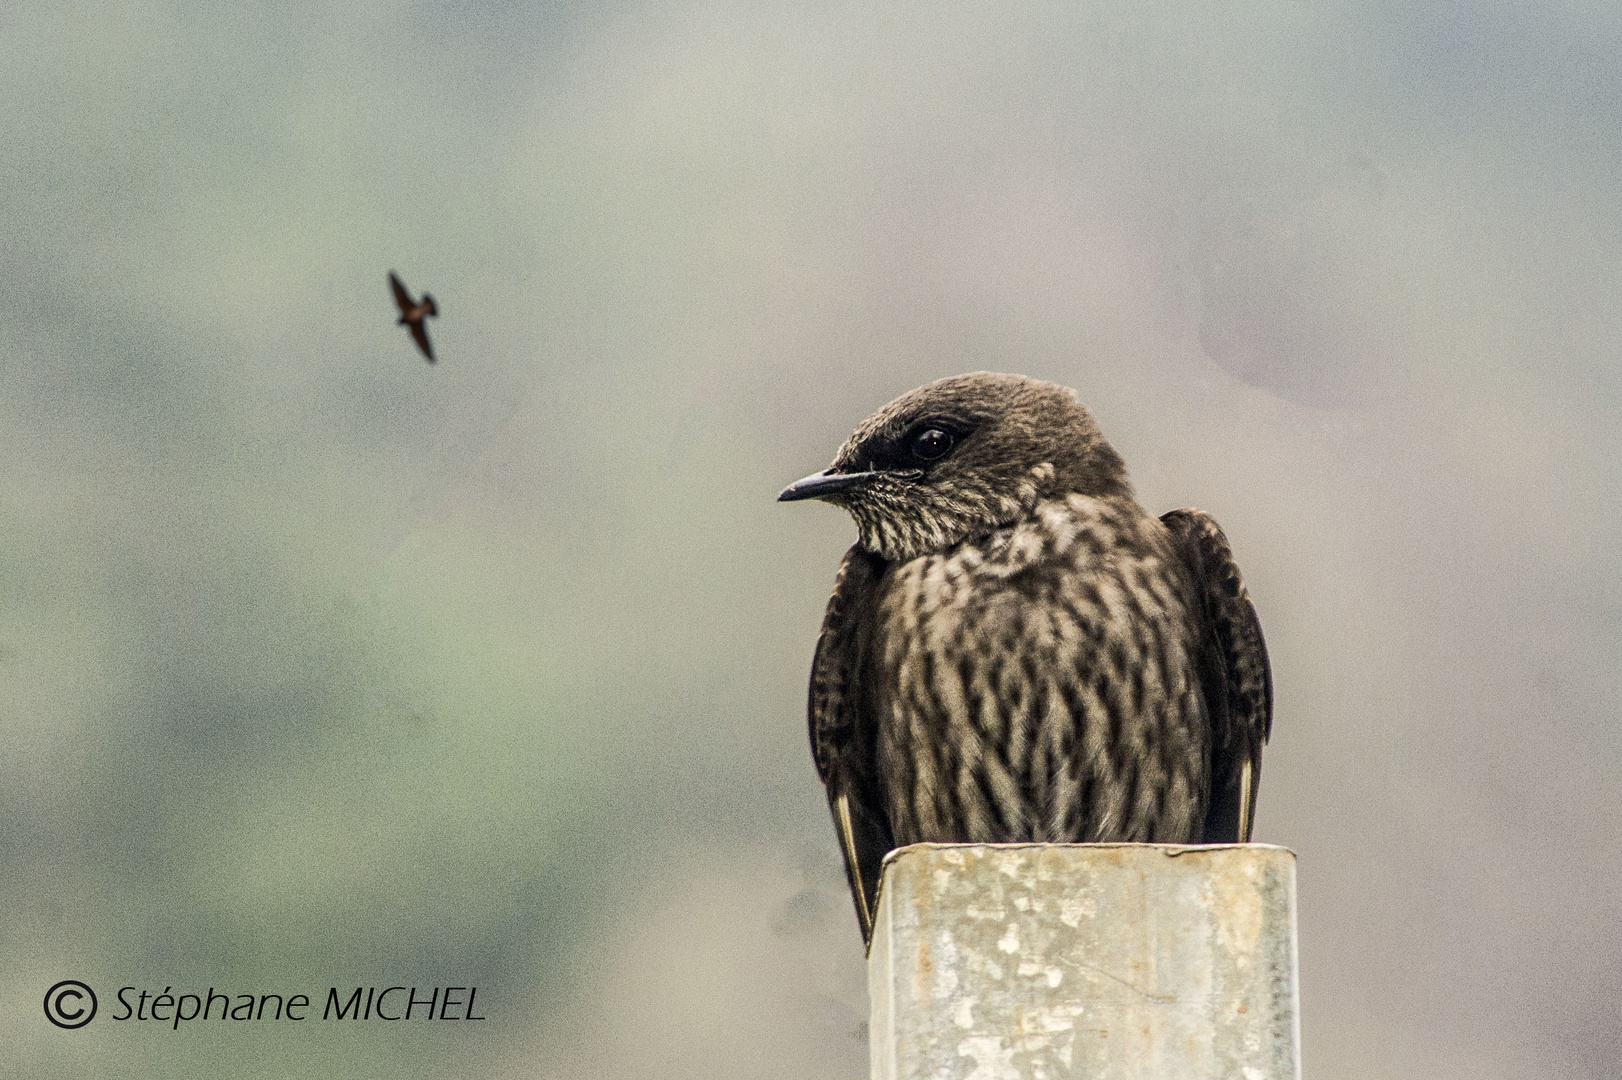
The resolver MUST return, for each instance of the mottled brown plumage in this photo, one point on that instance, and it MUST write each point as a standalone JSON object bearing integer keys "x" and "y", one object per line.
{"x": 1015, "y": 650}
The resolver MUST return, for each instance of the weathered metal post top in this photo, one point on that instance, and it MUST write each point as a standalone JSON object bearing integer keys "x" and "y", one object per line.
{"x": 1040, "y": 961}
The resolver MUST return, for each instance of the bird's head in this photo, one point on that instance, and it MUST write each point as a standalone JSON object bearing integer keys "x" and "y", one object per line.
{"x": 960, "y": 457}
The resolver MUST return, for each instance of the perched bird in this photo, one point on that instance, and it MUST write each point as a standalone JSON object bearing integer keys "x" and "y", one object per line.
{"x": 1015, "y": 650}
{"x": 412, "y": 314}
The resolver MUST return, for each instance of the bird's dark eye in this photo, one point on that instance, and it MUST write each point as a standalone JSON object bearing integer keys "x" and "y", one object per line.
{"x": 932, "y": 444}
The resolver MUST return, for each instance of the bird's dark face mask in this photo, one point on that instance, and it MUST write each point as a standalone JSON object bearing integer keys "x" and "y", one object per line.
{"x": 914, "y": 487}
{"x": 959, "y": 458}
{"x": 905, "y": 456}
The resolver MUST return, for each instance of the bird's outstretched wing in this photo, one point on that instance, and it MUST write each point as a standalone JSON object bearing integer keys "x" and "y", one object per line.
{"x": 841, "y": 743}
{"x": 1236, "y": 678}
{"x": 419, "y": 334}
{"x": 402, "y": 299}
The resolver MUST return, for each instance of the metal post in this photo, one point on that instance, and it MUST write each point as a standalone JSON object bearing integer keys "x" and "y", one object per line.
{"x": 1040, "y": 961}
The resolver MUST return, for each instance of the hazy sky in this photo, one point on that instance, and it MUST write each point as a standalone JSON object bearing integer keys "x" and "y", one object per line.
{"x": 325, "y": 667}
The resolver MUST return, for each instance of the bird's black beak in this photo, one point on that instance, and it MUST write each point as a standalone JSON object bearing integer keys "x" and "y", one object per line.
{"x": 822, "y": 484}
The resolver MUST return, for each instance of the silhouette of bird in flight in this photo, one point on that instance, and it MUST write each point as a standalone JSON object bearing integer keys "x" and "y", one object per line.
{"x": 412, "y": 314}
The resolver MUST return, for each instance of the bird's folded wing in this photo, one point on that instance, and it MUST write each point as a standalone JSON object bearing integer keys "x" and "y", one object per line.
{"x": 1238, "y": 680}
{"x": 836, "y": 726}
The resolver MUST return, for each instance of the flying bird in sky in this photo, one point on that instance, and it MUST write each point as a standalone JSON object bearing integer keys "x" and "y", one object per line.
{"x": 1015, "y": 650}
{"x": 412, "y": 314}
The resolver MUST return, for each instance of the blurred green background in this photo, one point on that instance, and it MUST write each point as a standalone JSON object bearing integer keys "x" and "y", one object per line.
{"x": 325, "y": 667}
